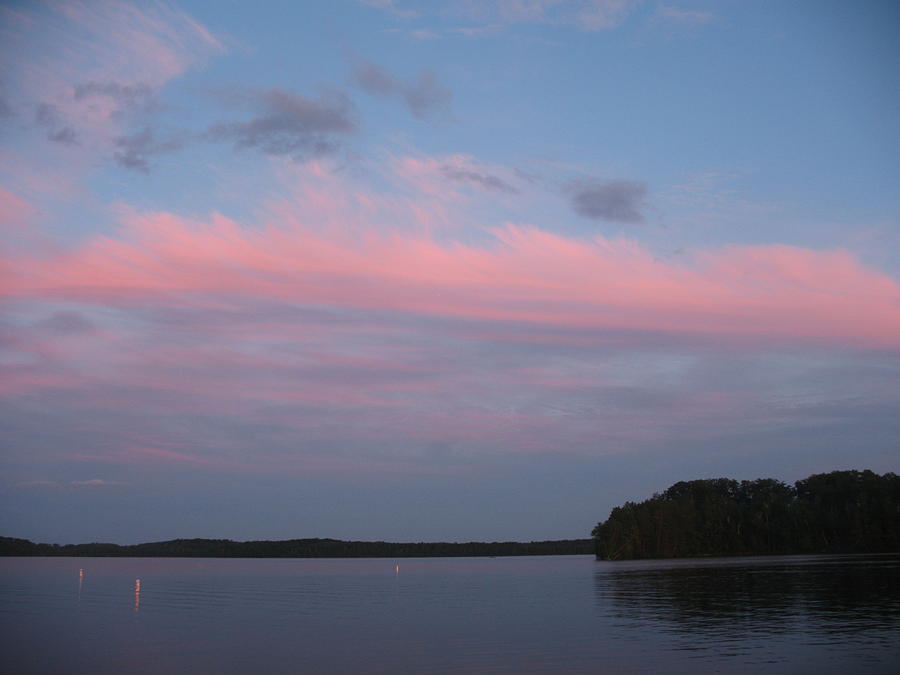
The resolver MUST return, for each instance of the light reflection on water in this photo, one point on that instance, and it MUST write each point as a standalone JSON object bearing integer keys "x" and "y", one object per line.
{"x": 541, "y": 614}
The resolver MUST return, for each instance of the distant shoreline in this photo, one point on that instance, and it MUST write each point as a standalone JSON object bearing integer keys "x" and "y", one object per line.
{"x": 296, "y": 548}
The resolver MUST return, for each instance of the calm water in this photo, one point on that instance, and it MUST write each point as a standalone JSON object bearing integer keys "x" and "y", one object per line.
{"x": 547, "y": 614}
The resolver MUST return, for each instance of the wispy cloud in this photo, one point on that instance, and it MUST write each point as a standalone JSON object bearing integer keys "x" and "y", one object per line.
{"x": 490, "y": 17}
{"x": 679, "y": 16}
{"x": 391, "y": 7}
{"x": 133, "y": 151}
{"x": 587, "y": 15}
{"x": 48, "y": 117}
{"x": 137, "y": 97}
{"x": 597, "y": 15}
{"x": 288, "y": 124}
{"x": 485, "y": 180}
{"x": 93, "y": 482}
{"x": 477, "y": 31}
{"x": 424, "y": 95}
{"x": 525, "y": 274}
{"x": 345, "y": 331}
{"x": 424, "y": 34}
{"x": 14, "y": 211}
{"x": 619, "y": 201}
{"x": 374, "y": 79}
{"x": 94, "y": 70}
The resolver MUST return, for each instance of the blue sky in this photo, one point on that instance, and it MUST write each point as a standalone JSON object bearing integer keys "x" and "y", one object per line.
{"x": 438, "y": 270}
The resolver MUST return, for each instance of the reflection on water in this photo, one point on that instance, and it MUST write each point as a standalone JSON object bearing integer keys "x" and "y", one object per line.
{"x": 542, "y": 614}
{"x": 767, "y": 607}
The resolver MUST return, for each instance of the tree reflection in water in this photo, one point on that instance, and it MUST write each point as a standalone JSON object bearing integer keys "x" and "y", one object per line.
{"x": 737, "y": 598}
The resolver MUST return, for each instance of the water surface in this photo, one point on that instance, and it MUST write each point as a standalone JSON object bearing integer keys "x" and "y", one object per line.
{"x": 535, "y": 614}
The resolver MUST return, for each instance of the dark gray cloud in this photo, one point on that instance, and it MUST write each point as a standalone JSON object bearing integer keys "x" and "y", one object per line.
{"x": 485, "y": 180}
{"x": 65, "y": 135}
{"x": 618, "y": 201}
{"x": 133, "y": 151}
{"x": 424, "y": 95}
{"x": 47, "y": 116}
{"x": 288, "y": 124}
{"x": 374, "y": 79}
{"x": 129, "y": 97}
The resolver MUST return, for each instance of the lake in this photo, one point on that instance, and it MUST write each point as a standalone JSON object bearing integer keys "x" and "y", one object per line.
{"x": 823, "y": 614}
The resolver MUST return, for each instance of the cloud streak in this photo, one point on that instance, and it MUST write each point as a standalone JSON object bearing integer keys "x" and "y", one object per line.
{"x": 391, "y": 7}
{"x": 133, "y": 151}
{"x": 773, "y": 292}
{"x": 485, "y": 180}
{"x": 424, "y": 95}
{"x": 683, "y": 17}
{"x": 586, "y": 15}
{"x": 93, "y": 482}
{"x": 353, "y": 332}
{"x": 137, "y": 97}
{"x": 289, "y": 124}
{"x": 91, "y": 71}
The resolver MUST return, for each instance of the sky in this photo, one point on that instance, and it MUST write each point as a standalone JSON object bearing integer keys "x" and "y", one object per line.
{"x": 438, "y": 271}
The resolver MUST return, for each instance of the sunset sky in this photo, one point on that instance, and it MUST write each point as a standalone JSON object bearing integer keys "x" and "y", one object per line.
{"x": 438, "y": 271}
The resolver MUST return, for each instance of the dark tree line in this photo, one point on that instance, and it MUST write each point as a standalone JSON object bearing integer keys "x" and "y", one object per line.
{"x": 298, "y": 548}
{"x": 837, "y": 512}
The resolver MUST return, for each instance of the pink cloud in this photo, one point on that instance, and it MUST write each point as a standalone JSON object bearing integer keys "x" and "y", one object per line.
{"x": 81, "y": 64}
{"x": 350, "y": 331}
{"x": 13, "y": 210}
{"x": 527, "y": 275}
{"x": 17, "y": 223}
{"x": 112, "y": 41}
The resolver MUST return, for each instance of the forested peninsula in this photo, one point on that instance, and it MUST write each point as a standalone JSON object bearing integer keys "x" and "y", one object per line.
{"x": 837, "y": 512}
{"x": 297, "y": 548}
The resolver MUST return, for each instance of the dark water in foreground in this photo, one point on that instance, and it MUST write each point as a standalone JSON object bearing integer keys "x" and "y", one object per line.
{"x": 835, "y": 614}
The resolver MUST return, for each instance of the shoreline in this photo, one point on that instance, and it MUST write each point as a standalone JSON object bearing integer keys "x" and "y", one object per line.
{"x": 296, "y": 548}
